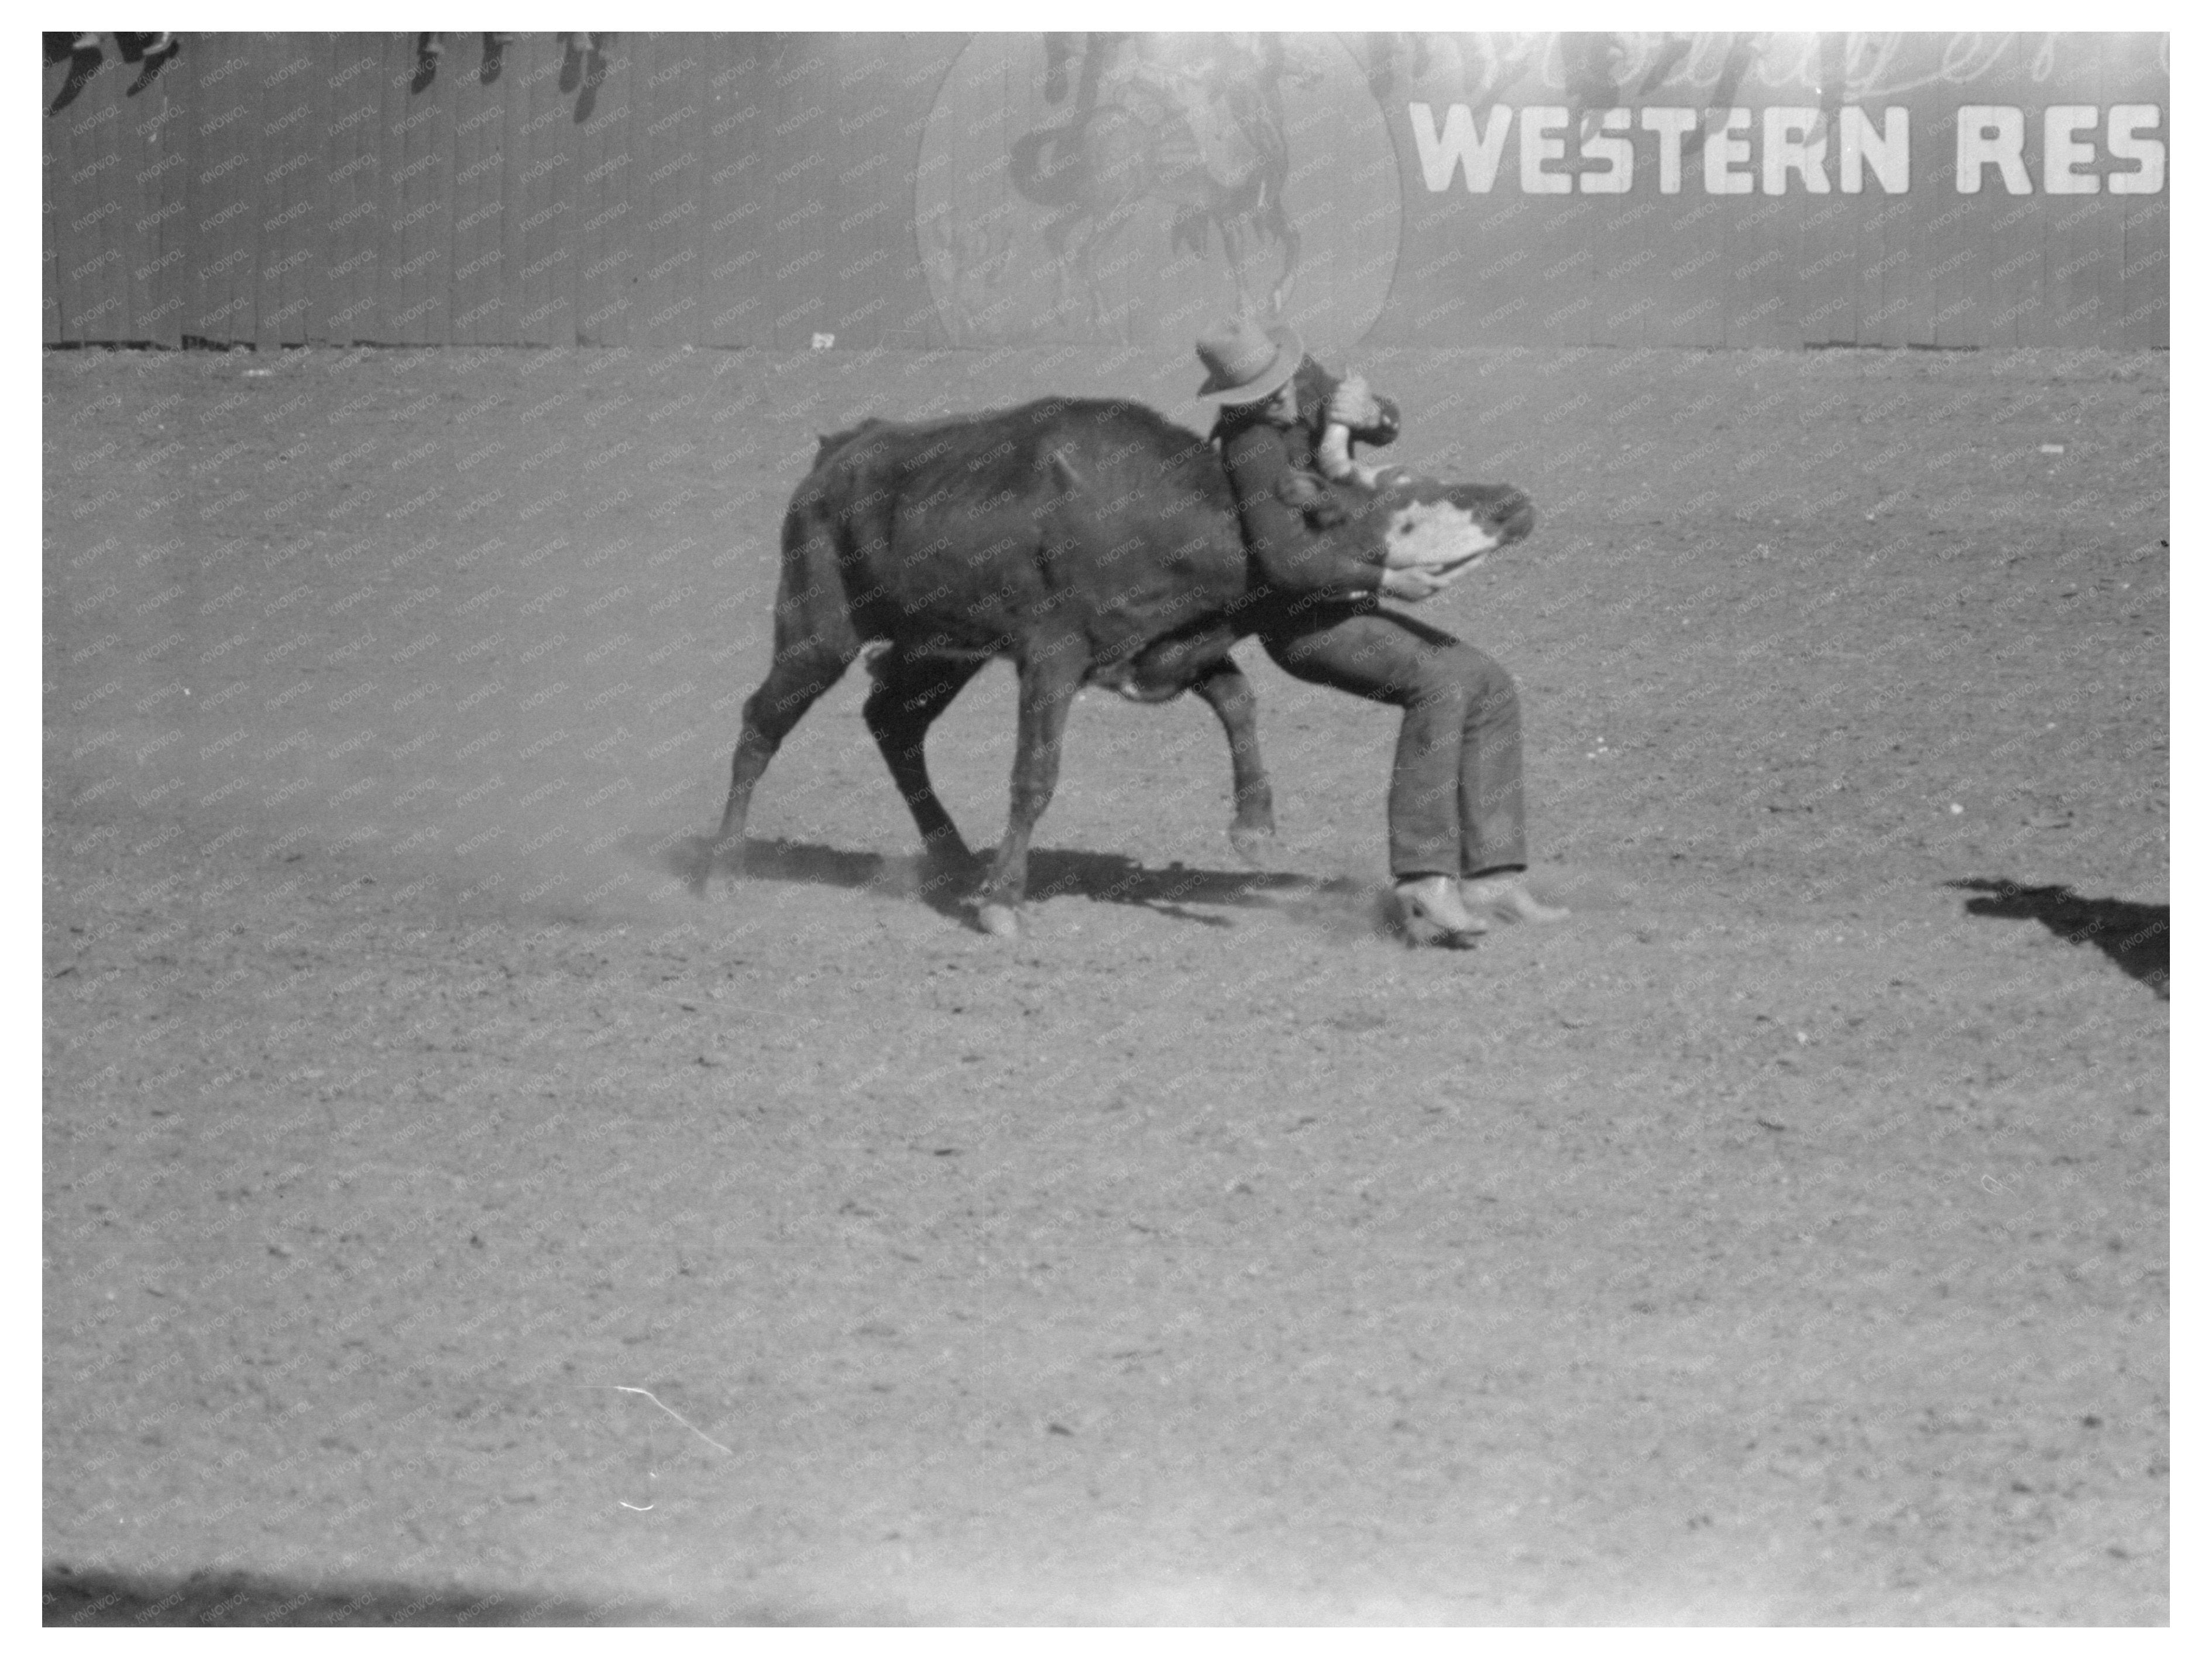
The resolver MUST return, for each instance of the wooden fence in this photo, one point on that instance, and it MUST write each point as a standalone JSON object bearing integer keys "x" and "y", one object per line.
{"x": 928, "y": 189}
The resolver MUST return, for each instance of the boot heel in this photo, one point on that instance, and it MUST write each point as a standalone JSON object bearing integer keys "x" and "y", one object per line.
{"x": 1420, "y": 925}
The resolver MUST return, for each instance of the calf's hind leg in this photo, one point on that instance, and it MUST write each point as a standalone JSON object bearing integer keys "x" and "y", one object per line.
{"x": 912, "y": 689}
{"x": 800, "y": 675}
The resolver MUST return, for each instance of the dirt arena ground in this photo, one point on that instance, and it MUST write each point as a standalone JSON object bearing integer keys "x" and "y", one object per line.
{"x": 450, "y": 1217}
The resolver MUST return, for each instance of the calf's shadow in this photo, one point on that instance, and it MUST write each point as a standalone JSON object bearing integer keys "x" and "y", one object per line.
{"x": 1105, "y": 877}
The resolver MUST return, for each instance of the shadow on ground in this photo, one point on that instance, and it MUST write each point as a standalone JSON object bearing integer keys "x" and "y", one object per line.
{"x": 203, "y": 1598}
{"x": 2133, "y": 935}
{"x": 1106, "y": 878}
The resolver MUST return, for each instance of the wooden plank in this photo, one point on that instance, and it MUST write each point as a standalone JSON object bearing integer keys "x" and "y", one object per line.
{"x": 1886, "y": 290}
{"x": 962, "y": 235}
{"x": 291, "y": 174}
{"x": 1689, "y": 236}
{"x": 1950, "y": 230}
{"x": 1899, "y": 218}
{"x": 800, "y": 147}
{"x": 61, "y": 164}
{"x": 1914, "y": 233}
{"x": 1567, "y": 252}
{"x": 607, "y": 255}
{"x": 395, "y": 76}
{"x": 2134, "y": 73}
{"x": 733, "y": 288}
{"x": 220, "y": 188}
{"x": 872, "y": 244}
{"x": 1621, "y": 296}
{"x": 2002, "y": 231}
{"x": 1765, "y": 253}
{"x": 504, "y": 327}
{"x": 1886, "y": 241}
{"x": 352, "y": 197}
{"x": 607, "y": 216}
{"x": 1826, "y": 302}
{"x": 842, "y": 57}
{"x": 2083, "y": 237}
{"x": 2025, "y": 286}
{"x": 49, "y": 290}
{"x": 1769, "y": 236}
{"x": 923, "y": 60}
{"x": 59, "y": 167}
{"x": 1620, "y": 229}
{"x": 2145, "y": 320}
{"x": 101, "y": 195}
{"x": 548, "y": 182}
{"x": 260, "y": 54}
{"x": 311, "y": 290}
{"x": 475, "y": 295}
{"x": 2009, "y": 272}
{"x": 669, "y": 131}
{"x": 82, "y": 134}
{"x": 158, "y": 128}
{"x": 419, "y": 149}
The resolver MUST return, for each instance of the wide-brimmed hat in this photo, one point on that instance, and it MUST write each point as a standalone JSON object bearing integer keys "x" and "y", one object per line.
{"x": 1245, "y": 362}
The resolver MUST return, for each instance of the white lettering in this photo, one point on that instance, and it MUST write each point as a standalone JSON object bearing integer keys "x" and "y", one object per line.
{"x": 1724, "y": 152}
{"x": 1672, "y": 126}
{"x": 1618, "y": 152}
{"x": 2123, "y": 131}
{"x": 2062, "y": 152}
{"x": 1991, "y": 135}
{"x": 1542, "y": 139}
{"x": 1888, "y": 152}
{"x": 1785, "y": 147}
{"x": 1459, "y": 146}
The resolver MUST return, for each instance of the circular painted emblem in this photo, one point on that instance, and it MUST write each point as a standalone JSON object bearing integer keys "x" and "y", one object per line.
{"x": 1135, "y": 188}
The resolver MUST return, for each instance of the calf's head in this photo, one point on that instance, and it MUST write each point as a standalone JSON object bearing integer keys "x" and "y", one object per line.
{"x": 1444, "y": 529}
{"x": 1448, "y": 530}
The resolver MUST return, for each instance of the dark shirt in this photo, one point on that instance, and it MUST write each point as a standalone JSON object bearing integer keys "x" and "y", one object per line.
{"x": 1269, "y": 467}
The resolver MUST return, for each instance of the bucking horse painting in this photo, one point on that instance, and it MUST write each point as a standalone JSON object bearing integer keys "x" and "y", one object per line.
{"x": 1193, "y": 122}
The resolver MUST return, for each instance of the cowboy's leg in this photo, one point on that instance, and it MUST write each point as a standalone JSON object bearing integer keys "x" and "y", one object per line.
{"x": 1493, "y": 835}
{"x": 1385, "y": 658}
{"x": 1494, "y": 848}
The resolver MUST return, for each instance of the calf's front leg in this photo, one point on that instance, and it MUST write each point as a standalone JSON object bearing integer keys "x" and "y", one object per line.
{"x": 1228, "y": 693}
{"x": 1050, "y": 675}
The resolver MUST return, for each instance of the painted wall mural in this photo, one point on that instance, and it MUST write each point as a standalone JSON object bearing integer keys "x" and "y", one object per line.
{"x": 928, "y": 189}
{"x": 1126, "y": 186}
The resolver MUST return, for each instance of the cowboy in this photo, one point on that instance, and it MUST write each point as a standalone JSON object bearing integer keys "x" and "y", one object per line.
{"x": 1458, "y": 849}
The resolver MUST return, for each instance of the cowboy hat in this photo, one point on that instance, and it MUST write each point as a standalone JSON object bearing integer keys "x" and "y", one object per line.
{"x": 1245, "y": 363}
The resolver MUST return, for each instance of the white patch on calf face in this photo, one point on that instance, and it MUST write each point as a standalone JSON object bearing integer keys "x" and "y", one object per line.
{"x": 1444, "y": 540}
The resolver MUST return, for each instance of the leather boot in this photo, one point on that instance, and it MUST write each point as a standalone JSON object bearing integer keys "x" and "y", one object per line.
{"x": 1429, "y": 913}
{"x": 1506, "y": 896}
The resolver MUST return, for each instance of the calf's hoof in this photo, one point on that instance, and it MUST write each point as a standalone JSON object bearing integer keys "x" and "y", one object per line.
{"x": 714, "y": 861}
{"x": 999, "y": 920}
{"x": 1254, "y": 843}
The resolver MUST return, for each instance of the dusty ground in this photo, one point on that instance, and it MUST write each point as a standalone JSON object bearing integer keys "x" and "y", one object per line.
{"x": 1782, "y": 1239}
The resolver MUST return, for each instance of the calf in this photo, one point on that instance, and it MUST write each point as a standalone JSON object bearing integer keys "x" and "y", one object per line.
{"x": 1086, "y": 541}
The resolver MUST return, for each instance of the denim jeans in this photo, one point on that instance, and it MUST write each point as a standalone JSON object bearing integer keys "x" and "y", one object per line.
{"x": 1455, "y": 804}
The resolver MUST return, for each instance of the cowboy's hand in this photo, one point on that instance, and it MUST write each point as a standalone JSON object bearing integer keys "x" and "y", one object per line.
{"x": 1410, "y": 586}
{"x": 1353, "y": 406}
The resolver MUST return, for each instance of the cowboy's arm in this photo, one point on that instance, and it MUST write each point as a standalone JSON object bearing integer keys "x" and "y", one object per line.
{"x": 1371, "y": 418}
{"x": 1292, "y": 558}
